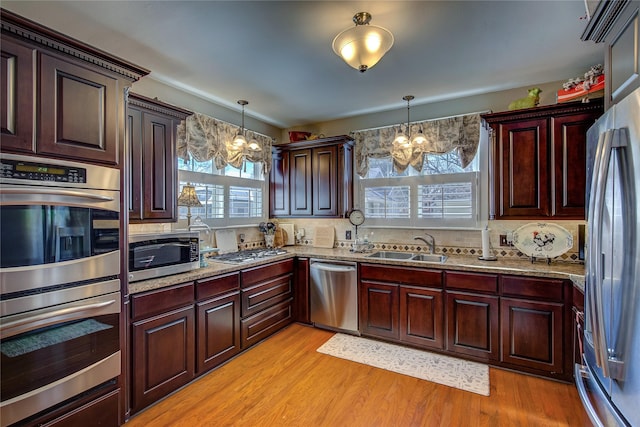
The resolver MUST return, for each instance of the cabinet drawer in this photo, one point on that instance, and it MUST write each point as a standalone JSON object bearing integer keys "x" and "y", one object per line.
{"x": 472, "y": 281}
{"x": 405, "y": 275}
{"x": 161, "y": 300}
{"x": 265, "y": 323}
{"x": 266, "y": 272}
{"x": 213, "y": 286}
{"x": 532, "y": 287}
{"x": 266, "y": 294}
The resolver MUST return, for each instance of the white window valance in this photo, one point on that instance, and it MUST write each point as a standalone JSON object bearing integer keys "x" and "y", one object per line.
{"x": 206, "y": 138}
{"x": 459, "y": 133}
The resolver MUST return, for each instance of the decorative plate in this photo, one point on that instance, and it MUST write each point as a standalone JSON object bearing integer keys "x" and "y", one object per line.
{"x": 542, "y": 240}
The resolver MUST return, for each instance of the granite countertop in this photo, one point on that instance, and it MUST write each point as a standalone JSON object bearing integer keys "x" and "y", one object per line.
{"x": 558, "y": 270}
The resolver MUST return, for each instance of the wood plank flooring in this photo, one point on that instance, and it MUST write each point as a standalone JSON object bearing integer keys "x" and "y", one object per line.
{"x": 283, "y": 381}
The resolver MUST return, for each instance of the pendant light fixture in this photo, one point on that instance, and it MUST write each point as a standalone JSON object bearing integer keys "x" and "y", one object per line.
{"x": 364, "y": 45}
{"x": 402, "y": 140}
{"x": 240, "y": 141}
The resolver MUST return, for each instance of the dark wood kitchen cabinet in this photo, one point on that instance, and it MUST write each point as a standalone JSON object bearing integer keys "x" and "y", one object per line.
{"x": 403, "y": 304}
{"x": 218, "y": 320}
{"x": 17, "y": 92}
{"x": 71, "y": 93}
{"x": 266, "y": 301}
{"x": 302, "y": 312}
{"x": 312, "y": 178}
{"x": 472, "y": 315}
{"x": 163, "y": 343}
{"x": 538, "y": 161}
{"x": 151, "y": 132}
{"x": 532, "y": 323}
{"x": 616, "y": 24}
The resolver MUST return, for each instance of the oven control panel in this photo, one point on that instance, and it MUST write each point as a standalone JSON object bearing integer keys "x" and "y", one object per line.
{"x": 32, "y": 171}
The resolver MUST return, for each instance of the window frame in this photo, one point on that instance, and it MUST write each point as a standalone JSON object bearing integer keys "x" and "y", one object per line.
{"x": 481, "y": 191}
{"x": 227, "y": 182}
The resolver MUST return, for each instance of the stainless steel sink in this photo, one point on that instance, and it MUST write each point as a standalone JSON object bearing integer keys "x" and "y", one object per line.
{"x": 391, "y": 255}
{"x": 429, "y": 258}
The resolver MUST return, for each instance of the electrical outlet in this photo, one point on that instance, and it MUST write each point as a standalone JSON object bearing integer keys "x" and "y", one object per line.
{"x": 347, "y": 235}
{"x": 503, "y": 240}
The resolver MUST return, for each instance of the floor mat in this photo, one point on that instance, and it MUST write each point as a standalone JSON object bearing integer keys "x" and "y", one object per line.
{"x": 449, "y": 371}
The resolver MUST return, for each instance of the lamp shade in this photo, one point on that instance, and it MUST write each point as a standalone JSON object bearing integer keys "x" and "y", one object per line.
{"x": 188, "y": 197}
{"x": 364, "y": 45}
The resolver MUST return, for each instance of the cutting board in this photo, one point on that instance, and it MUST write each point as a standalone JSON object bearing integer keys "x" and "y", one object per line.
{"x": 289, "y": 236}
{"x": 226, "y": 240}
{"x": 324, "y": 237}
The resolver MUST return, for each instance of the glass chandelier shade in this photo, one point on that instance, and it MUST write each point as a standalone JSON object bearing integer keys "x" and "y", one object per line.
{"x": 240, "y": 141}
{"x": 362, "y": 46}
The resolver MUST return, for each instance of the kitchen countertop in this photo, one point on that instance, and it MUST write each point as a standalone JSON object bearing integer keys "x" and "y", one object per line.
{"x": 557, "y": 270}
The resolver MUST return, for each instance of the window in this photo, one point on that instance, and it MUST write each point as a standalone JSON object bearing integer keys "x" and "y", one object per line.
{"x": 442, "y": 195}
{"x": 229, "y": 196}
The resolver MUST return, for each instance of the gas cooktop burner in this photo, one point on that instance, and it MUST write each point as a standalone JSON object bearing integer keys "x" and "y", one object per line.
{"x": 247, "y": 256}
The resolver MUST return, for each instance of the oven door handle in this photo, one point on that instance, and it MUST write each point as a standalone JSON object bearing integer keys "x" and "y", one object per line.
{"x": 26, "y": 324}
{"x": 56, "y": 192}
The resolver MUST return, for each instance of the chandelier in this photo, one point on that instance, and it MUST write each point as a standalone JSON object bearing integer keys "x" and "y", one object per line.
{"x": 240, "y": 140}
{"x": 364, "y": 45}
{"x": 405, "y": 141}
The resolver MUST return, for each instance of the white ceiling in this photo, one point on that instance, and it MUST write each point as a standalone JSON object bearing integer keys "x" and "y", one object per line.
{"x": 277, "y": 54}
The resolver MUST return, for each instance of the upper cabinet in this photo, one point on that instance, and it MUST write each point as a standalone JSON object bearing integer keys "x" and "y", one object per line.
{"x": 538, "y": 161}
{"x": 312, "y": 178}
{"x": 151, "y": 131}
{"x": 61, "y": 98}
{"x": 617, "y": 24}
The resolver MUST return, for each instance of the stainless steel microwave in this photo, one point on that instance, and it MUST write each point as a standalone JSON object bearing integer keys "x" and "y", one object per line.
{"x": 163, "y": 254}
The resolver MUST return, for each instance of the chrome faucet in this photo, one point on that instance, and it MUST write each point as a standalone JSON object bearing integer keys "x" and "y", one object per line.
{"x": 431, "y": 245}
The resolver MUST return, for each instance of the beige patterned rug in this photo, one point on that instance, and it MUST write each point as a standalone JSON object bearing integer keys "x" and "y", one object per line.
{"x": 449, "y": 371}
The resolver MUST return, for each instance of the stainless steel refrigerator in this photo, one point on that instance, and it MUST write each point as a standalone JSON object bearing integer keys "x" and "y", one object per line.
{"x": 609, "y": 378}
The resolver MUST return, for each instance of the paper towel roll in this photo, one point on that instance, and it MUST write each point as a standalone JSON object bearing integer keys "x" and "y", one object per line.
{"x": 486, "y": 245}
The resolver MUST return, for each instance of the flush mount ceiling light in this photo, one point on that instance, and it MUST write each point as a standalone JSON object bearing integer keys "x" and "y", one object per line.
{"x": 405, "y": 141}
{"x": 364, "y": 45}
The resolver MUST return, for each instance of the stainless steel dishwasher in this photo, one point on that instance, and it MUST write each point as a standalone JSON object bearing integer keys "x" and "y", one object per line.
{"x": 334, "y": 295}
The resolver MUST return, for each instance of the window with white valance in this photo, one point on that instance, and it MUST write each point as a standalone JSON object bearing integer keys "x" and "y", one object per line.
{"x": 229, "y": 181}
{"x": 444, "y": 186}
{"x": 206, "y": 138}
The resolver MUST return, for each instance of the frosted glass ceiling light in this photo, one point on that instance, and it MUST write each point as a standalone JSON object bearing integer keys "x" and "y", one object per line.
{"x": 364, "y": 45}
{"x": 240, "y": 141}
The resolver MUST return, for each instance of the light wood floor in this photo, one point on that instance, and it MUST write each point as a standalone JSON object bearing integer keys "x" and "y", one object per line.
{"x": 285, "y": 382}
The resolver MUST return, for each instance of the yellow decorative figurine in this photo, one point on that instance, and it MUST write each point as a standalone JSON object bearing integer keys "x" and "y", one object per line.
{"x": 528, "y": 101}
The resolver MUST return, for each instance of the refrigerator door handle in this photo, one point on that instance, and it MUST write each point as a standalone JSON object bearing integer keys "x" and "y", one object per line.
{"x": 618, "y": 350}
{"x": 595, "y": 274}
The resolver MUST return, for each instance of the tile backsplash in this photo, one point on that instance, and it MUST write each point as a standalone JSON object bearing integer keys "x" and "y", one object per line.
{"x": 450, "y": 242}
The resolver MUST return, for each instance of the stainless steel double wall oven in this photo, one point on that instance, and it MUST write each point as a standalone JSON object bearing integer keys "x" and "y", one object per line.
{"x": 59, "y": 278}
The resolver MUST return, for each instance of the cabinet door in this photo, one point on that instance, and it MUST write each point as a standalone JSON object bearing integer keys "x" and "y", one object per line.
{"x": 218, "y": 331}
{"x": 532, "y": 334}
{"x": 421, "y": 317}
{"x": 473, "y": 327}
{"x": 522, "y": 181}
{"x": 300, "y": 182}
{"x": 279, "y": 184}
{"x": 159, "y": 168}
{"x": 622, "y": 56}
{"x": 301, "y": 291}
{"x": 16, "y": 92}
{"x": 569, "y": 163}
{"x": 325, "y": 181}
{"x": 163, "y": 355}
{"x": 78, "y": 112}
{"x": 379, "y": 310}
{"x": 136, "y": 147}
